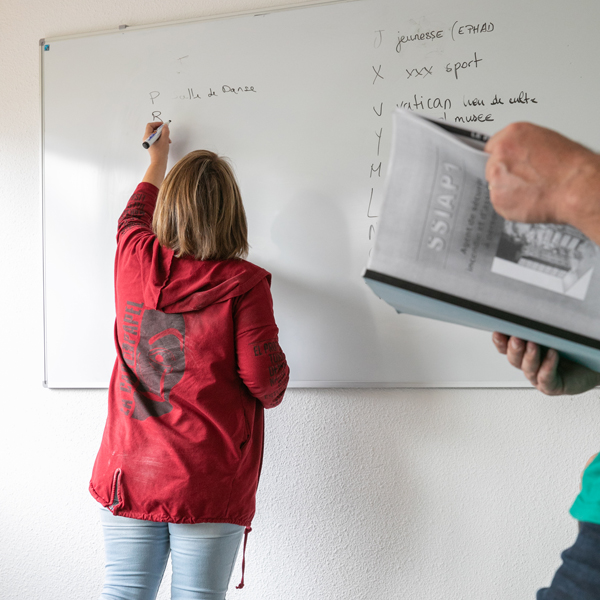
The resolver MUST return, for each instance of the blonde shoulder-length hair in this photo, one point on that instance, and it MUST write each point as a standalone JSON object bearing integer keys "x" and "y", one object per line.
{"x": 199, "y": 211}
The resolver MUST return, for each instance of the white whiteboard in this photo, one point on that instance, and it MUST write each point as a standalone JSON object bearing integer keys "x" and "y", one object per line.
{"x": 307, "y": 128}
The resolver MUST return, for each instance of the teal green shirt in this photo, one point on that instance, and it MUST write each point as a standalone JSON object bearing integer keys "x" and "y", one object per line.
{"x": 587, "y": 505}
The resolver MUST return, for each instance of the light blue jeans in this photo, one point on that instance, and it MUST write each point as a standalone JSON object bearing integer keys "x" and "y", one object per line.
{"x": 202, "y": 555}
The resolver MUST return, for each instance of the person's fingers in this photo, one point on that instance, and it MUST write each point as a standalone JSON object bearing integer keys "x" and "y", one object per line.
{"x": 491, "y": 144}
{"x": 164, "y": 134}
{"x": 160, "y": 147}
{"x": 548, "y": 378}
{"x": 515, "y": 352}
{"x": 532, "y": 359}
{"x": 500, "y": 341}
{"x": 151, "y": 128}
{"x": 494, "y": 170}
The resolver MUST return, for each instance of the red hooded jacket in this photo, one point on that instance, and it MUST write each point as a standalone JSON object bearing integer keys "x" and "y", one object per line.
{"x": 198, "y": 360}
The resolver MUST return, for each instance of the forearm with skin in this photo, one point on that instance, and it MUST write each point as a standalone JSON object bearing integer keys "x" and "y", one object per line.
{"x": 156, "y": 173}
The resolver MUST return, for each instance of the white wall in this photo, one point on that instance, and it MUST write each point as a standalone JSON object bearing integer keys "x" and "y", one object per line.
{"x": 405, "y": 494}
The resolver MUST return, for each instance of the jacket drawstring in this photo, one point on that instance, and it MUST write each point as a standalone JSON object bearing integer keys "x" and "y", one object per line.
{"x": 246, "y": 532}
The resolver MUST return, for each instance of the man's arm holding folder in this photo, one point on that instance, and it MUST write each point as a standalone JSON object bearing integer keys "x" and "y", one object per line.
{"x": 537, "y": 175}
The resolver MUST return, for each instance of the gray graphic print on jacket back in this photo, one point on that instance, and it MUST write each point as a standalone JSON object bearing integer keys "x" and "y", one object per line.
{"x": 159, "y": 362}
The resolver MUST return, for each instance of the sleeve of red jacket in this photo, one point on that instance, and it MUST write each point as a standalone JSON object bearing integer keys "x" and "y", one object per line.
{"x": 261, "y": 362}
{"x": 139, "y": 210}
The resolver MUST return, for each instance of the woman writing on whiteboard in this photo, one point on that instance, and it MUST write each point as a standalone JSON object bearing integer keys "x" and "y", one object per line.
{"x": 198, "y": 360}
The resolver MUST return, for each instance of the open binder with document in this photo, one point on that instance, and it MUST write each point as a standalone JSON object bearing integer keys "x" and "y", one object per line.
{"x": 442, "y": 252}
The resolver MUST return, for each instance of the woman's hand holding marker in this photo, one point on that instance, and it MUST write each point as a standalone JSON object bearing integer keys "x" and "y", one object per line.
{"x": 158, "y": 149}
{"x": 154, "y": 135}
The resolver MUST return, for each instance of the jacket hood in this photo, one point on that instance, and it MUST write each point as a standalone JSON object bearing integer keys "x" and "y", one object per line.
{"x": 179, "y": 285}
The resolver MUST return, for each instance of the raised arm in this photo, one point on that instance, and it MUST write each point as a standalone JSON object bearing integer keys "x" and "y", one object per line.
{"x": 159, "y": 155}
{"x": 140, "y": 207}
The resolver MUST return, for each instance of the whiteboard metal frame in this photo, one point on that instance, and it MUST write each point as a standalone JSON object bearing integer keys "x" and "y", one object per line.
{"x": 43, "y": 212}
{"x": 125, "y": 28}
{"x": 316, "y": 384}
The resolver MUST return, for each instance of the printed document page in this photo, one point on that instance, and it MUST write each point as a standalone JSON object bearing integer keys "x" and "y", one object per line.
{"x": 438, "y": 229}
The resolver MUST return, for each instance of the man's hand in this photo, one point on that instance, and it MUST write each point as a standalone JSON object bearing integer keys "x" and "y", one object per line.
{"x": 539, "y": 176}
{"x": 549, "y": 373}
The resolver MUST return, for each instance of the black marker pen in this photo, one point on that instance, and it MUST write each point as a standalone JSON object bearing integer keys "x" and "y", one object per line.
{"x": 153, "y": 137}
